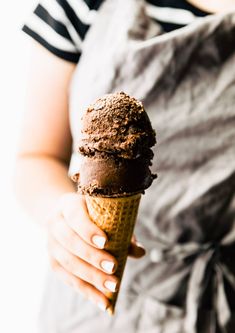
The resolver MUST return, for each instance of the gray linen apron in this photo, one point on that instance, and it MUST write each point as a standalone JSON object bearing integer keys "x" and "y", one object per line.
{"x": 185, "y": 78}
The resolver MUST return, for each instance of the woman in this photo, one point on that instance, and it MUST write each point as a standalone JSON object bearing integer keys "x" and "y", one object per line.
{"x": 76, "y": 246}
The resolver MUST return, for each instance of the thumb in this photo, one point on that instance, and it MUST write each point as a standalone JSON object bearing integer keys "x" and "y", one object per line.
{"x": 136, "y": 250}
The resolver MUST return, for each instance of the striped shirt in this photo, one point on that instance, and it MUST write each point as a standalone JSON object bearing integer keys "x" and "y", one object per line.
{"x": 61, "y": 25}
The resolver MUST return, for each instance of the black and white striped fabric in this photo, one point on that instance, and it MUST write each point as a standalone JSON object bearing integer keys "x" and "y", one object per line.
{"x": 61, "y": 25}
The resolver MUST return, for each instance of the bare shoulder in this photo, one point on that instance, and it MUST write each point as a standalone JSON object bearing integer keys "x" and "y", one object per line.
{"x": 215, "y": 6}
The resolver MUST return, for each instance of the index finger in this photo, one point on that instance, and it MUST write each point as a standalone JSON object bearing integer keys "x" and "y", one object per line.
{"x": 77, "y": 217}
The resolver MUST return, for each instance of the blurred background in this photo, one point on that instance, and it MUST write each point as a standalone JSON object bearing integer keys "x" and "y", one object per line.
{"x": 22, "y": 244}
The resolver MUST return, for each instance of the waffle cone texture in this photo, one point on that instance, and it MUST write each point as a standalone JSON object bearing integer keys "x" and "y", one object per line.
{"x": 116, "y": 217}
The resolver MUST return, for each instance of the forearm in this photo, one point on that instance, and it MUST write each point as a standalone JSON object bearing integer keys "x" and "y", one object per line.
{"x": 39, "y": 183}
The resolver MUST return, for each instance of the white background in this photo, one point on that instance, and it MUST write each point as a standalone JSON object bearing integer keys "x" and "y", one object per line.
{"x": 23, "y": 260}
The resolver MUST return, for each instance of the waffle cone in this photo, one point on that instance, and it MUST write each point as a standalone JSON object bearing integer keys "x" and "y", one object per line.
{"x": 116, "y": 217}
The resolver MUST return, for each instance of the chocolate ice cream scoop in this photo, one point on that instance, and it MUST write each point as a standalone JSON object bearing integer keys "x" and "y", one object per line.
{"x": 116, "y": 124}
{"x": 116, "y": 142}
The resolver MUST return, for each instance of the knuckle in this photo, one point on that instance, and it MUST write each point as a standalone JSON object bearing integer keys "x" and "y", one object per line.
{"x": 99, "y": 279}
{"x": 49, "y": 245}
{"x": 78, "y": 284}
{"x": 69, "y": 238}
{"x": 89, "y": 256}
{"x": 50, "y": 225}
{"x": 93, "y": 295}
{"x": 54, "y": 265}
{"x": 93, "y": 255}
{"x": 64, "y": 199}
{"x": 93, "y": 276}
{"x": 70, "y": 264}
{"x": 85, "y": 231}
{"x": 82, "y": 288}
{"x": 71, "y": 213}
{"x": 70, "y": 205}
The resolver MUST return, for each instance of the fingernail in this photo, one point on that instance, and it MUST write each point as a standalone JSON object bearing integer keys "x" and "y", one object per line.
{"x": 99, "y": 241}
{"x": 140, "y": 245}
{"x": 111, "y": 285}
{"x": 110, "y": 311}
{"x": 108, "y": 266}
{"x": 102, "y": 306}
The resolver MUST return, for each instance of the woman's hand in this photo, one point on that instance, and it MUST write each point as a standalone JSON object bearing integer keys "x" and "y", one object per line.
{"x": 76, "y": 250}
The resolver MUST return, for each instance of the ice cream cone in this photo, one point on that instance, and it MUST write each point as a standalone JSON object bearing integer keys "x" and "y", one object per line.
{"x": 116, "y": 217}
